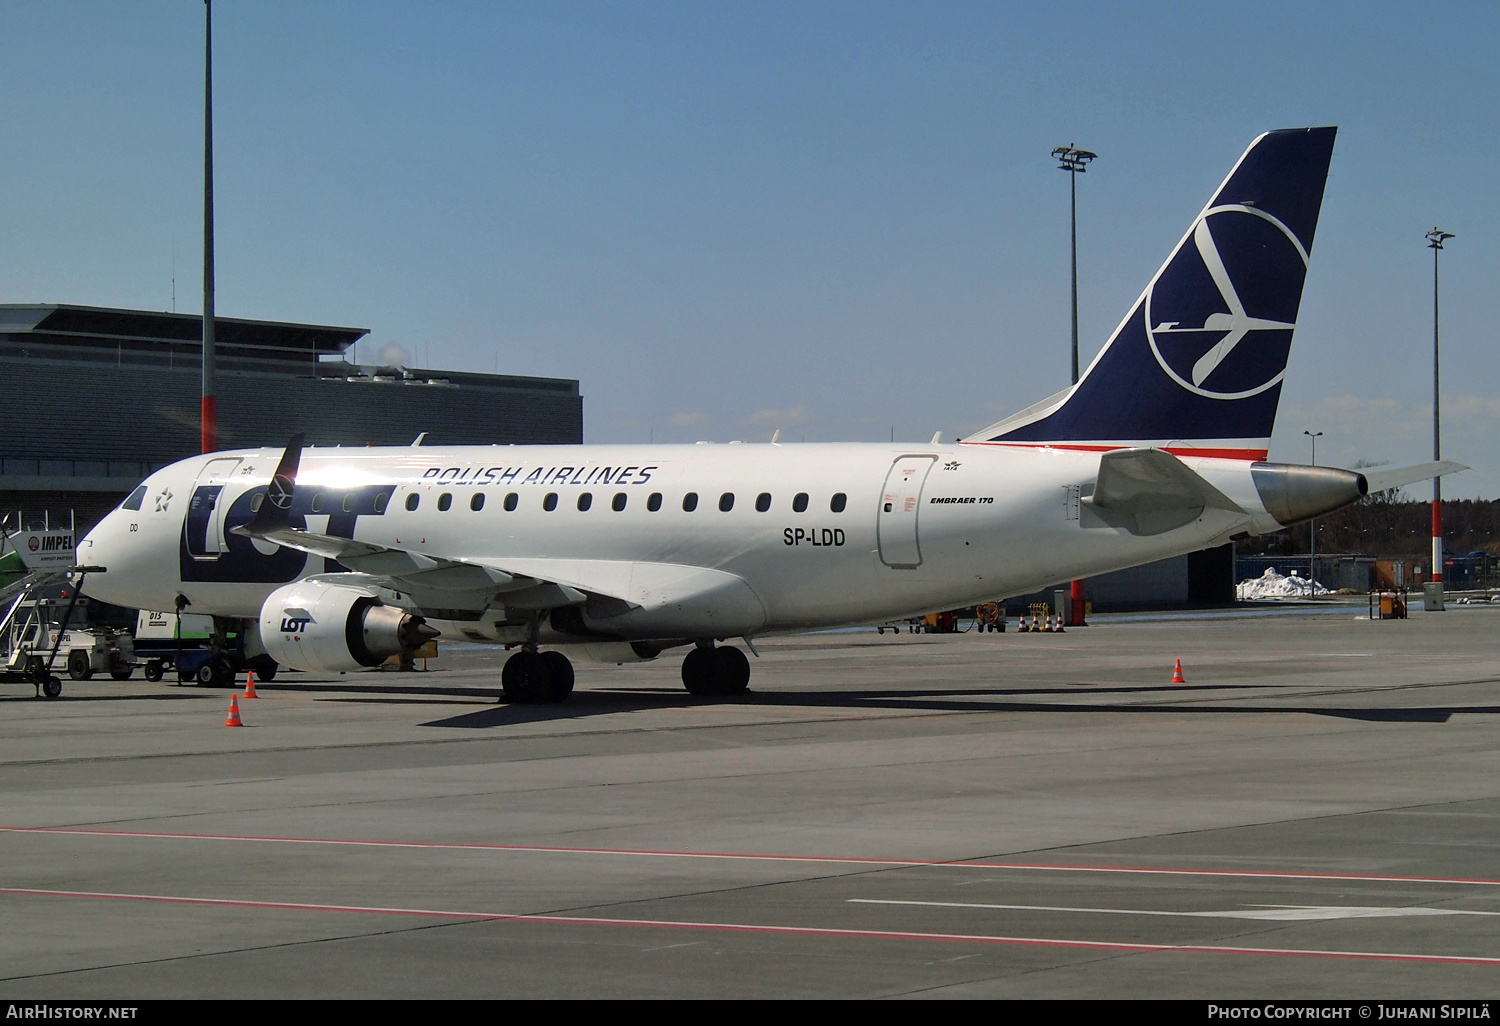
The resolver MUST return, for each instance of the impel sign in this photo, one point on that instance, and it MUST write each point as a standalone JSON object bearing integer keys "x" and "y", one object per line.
{"x": 44, "y": 549}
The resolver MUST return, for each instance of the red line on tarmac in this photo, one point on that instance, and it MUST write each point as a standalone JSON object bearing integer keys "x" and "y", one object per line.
{"x": 522, "y": 849}
{"x": 807, "y": 931}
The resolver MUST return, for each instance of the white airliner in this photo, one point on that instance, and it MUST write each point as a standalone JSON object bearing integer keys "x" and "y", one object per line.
{"x": 335, "y": 559}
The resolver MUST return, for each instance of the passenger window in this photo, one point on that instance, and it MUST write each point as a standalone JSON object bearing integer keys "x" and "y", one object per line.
{"x": 839, "y": 502}
{"x": 133, "y": 500}
{"x": 348, "y": 502}
{"x": 477, "y": 502}
{"x": 317, "y": 503}
{"x": 762, "y": 502}
{"x": 690, "y": 502}
{"x": 413, "y": 501}
{"x": 619, "y": 502}
{"x": 510, "y": 502}
{"x": 445, "y": 502}
{"x": 550, "y": 502}
{"x": 381, "y": 498}
{"x": 585, "y": 501}
{"x": 653, "y": 501}
{"x": 799, "y": 503}
{"x": 726, "y": 502}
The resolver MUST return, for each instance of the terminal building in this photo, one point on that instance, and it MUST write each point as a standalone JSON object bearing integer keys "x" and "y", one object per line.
{"x": 99, "y": 398}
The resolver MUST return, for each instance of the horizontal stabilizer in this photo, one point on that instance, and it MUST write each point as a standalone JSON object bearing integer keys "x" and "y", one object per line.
{"x": 1382, "y": 478}
{"x": 1149, "y": 491}
{"x": 1152, "y": 481}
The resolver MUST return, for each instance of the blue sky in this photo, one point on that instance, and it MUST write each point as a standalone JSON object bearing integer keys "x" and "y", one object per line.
{"x": 836, "y": 219}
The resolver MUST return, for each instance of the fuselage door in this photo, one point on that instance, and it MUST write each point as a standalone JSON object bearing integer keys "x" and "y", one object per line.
{"x": 205, "y": 509}
{"x": 900, "y": 505}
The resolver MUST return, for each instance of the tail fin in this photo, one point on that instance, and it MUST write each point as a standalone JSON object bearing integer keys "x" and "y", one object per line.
{"x": 1196, "y": 367}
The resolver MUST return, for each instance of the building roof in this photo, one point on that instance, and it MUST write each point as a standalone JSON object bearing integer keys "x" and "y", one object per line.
{"x": 91, "y": 324}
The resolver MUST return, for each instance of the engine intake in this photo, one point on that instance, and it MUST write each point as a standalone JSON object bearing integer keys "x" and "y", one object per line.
{"x": 313, "y": 625}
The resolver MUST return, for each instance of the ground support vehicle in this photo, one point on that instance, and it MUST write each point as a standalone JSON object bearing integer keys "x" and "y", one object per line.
{"x": 29, "y": 638}
{"x": 196, "y": 647}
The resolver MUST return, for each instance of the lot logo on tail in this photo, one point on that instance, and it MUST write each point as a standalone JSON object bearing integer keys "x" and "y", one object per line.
{"x": 1220, "y": 315}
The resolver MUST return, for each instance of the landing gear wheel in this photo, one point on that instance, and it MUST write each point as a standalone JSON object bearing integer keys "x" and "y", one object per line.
{"x": 733, "y": 670}
{"x": 78, "y": 665}
{"x": 698, "y": 672}
{"x": 715, "y": 672}
{"x": 207, "y": 675}
{"x": 559, "y": 677}
{"x": 122, "y": 674}
{"x": 525, "y": 678}
{"x": 153, "y": 672}
{"x": 52, "y": 686}
{"x": 265, "y": 670}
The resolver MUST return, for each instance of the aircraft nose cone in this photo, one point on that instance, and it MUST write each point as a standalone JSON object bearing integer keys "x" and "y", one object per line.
{"x": 101, "y": 547}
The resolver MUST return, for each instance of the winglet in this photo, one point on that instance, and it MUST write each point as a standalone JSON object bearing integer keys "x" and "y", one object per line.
{"x": 275, "y": 511}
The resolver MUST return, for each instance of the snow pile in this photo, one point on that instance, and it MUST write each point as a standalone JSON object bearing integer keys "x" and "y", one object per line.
{"x": 1272, "y": 585}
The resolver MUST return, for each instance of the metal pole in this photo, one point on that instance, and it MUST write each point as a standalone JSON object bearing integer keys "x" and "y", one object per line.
{"x": 1437, "y": 436}
{"x": 1073, "y": 160}
{"x": 1312, "y": 525}
{"x": 1435, "y": 240}
{"x": 1073, "y": 217}
{"x": 210, "y": 420}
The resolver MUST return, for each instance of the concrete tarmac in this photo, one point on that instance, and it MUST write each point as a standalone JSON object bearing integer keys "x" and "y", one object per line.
{"x": 1315, "y": 813}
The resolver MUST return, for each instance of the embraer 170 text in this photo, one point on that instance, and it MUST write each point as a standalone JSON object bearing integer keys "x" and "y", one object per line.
{"x": 336, "y": 559}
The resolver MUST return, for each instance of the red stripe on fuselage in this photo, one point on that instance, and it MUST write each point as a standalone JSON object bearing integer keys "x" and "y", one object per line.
{"x": 1249, "y": 455}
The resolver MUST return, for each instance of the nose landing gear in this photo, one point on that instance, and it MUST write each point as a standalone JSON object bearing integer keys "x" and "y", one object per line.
{"x": 712, "y": 671}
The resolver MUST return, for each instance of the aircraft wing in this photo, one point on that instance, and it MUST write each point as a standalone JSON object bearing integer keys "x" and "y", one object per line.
{"x": 1381, "y": 478}
{"x": 608, "y": 587}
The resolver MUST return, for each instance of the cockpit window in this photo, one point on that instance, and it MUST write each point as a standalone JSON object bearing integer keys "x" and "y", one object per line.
{"x": 134, "y": 499}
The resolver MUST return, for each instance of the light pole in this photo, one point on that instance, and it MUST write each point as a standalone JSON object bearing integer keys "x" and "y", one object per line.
{"x": 1074, "y": 161}
{"x": 1312, "y": 525}
{"x": 1434, "y": 598}
{"x": 210, "y": 411}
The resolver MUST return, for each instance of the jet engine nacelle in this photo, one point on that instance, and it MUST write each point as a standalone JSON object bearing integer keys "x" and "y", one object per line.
{"x": 314, "y": 625}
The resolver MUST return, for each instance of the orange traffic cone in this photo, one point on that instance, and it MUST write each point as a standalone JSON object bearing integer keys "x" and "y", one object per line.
{"x": 234, "y": 712}
{"x": 1177, "y": 677}
{"x": 250, "y": 684}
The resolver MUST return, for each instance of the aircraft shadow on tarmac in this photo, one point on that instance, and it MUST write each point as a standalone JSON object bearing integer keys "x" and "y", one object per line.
{"x": 597, "y": 702}
{"x": 1066, "y": 698}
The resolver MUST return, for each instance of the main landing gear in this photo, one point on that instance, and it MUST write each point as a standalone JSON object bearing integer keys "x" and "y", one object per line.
{"x": 537, "y": 678}
{"x": 715, "y": 671}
